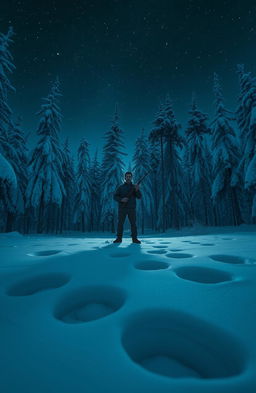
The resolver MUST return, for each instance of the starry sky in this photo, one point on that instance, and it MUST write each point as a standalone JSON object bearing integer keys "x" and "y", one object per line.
{"x": 127, "y": 52}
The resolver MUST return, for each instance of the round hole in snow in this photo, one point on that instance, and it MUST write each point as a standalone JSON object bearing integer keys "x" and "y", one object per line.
{"x": 233, "y": 259}
{"x": 202, "y": 274}
{"x": 151, "y": 265}
{"x": 179, "y": 255}
{"x": 157, "y": 252}
{"x": 45, "y": 253}
{"x": 178, "y": 345}
{"x": 38, "y": 283}
{"x": 89, "y": 304}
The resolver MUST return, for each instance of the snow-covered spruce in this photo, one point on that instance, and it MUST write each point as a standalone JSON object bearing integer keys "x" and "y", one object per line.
{"x": 45, "y": 189}
{"x": 82, "y": 202}
{"x": 112, "y": 172}
{"x": 226, "y": 156}
{"x": 141, "y": 166}
{"x": 195, "y": 158}
{"x": 246, "y": 119}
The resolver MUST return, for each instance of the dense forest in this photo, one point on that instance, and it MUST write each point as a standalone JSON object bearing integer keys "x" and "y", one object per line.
{"x": 203, "y": 173}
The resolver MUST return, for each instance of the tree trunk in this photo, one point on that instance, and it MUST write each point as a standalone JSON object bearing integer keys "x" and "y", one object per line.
{"x": 83, "y": 222}
{"x": 58, "y": 218}
{"x": 237, "y": 212}
{"x": 163, "y": 188}
{"x": 142, "y": 218}
{"x": 63, "y": 214}
{"x": 40, "y": 216}
{"x": 9, "y": 222}
{"x": 155, "y": 203}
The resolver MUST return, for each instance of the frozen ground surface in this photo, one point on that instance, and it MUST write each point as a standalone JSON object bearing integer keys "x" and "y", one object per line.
{"x": 177, "y": 313}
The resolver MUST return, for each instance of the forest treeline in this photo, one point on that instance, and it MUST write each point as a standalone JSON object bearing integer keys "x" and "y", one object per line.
{"x": 204, "y": 173}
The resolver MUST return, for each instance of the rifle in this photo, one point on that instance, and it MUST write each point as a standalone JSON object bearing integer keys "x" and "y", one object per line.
{"x": 140, "y": 180}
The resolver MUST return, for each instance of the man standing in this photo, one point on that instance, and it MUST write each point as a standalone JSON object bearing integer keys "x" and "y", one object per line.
{"x": 126, "y": 195}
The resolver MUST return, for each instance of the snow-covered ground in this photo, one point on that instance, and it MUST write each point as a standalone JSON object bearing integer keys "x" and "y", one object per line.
{"x": 174, "y": 314}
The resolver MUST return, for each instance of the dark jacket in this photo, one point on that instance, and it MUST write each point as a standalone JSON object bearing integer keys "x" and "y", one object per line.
{"x": 122, "y": 191}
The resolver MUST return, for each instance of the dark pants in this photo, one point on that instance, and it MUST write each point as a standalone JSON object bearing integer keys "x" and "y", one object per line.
{"x": 122, "y": 213}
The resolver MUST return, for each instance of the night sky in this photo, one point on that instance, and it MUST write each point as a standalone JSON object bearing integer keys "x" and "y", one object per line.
{"x": 126, "y": 52}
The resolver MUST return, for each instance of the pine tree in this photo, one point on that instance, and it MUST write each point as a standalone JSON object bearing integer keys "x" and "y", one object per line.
{"x": 246, "y": 119}
{"x": 96, "y": 177}
{"x": 245, "y": 101}
{"x": 188, "y": 190}
{"x": 154, "y": 152}
{"x": 157, "y": 136}
{"x": 8, "y": 190}
{"x": 225, "y": 160}
{"x": 6, "y": 67}
{"x": 45, "y": 189}
{"x": 6, "y": 125}
{"x": 174, "y": 193}
{"x": 70, "y": 186}
{"x": 141, "y": 166}
{"x": 198, "y": 166}
{"x": 82, "y": 204}
{"x": 112, "y": 172}
{"x": 19, "y": 161}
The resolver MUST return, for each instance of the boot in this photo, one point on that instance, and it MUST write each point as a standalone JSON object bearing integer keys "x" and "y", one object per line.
{"x": 118, "y": 240}
{"x": 135, "y": 240}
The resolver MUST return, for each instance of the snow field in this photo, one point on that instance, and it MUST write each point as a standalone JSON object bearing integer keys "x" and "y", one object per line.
{"x": 85, "y": 315}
